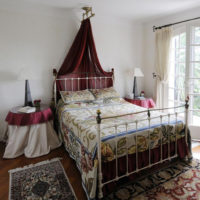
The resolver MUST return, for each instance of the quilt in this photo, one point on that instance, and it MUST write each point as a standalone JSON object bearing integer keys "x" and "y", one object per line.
{"x": 78, "y": 131}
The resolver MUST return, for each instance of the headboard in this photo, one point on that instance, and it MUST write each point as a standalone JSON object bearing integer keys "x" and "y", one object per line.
{"x": 80, "y": 81}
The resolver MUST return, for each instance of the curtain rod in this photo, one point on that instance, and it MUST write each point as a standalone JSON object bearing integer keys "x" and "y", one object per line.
{"x": 159, "y": 27}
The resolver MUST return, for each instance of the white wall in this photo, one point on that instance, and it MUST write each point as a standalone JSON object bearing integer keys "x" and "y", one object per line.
{"x": 39, "y": 41}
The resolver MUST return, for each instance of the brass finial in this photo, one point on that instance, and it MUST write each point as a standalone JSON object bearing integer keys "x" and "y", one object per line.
{"x": 87, "y": 11}
{"x": 98, "y": 118}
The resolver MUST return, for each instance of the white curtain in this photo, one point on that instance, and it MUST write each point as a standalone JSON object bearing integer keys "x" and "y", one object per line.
{"x": 163, "y": 42}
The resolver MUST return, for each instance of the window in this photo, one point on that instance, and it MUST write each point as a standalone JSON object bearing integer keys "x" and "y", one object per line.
{"x": 176, "y": 93}
{"x": 194, "y": 74}
{"x": 184, "y": 76}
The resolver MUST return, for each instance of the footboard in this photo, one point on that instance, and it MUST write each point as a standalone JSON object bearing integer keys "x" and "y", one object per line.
{"x": 137, "y": 134}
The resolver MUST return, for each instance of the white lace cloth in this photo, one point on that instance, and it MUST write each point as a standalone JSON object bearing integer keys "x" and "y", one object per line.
{"x": 33, "y": 141}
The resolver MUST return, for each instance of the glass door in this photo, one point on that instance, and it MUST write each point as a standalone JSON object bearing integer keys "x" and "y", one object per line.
{"x": 194, "y": 75}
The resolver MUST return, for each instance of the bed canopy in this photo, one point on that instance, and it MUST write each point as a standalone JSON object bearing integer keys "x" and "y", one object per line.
{"x": 82, "y": 56}
{"x": 82, "y": 61}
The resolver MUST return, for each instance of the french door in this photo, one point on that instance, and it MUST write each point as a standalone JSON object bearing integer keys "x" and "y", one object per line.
{"x": 194, "y": 73}
{"x": 184, "y": 76}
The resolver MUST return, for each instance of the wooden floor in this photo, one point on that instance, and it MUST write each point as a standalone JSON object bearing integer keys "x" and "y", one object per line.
{"x": 196, "y": 149}
{"x": 67, "y": 162}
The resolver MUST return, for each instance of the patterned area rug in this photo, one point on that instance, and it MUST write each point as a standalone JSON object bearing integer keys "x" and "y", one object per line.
{"x": 45, "y": 180}
{"x": 178, "y": 181}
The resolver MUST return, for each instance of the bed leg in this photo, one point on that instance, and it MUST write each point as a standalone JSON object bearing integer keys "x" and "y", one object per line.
{"x": 100, "y": 192}
{"x": 100, "y": 177}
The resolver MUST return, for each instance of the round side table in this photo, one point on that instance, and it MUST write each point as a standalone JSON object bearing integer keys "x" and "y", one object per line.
{"x": 31, "y": 134}
{"x": 146, "y": 103}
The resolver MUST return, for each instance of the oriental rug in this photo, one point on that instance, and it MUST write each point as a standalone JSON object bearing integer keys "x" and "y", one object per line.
{"x": 178, "y": 181}
{"x": 45, "y": 180}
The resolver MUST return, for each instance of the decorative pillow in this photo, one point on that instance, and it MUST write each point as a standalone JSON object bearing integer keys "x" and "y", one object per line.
{"x": 105, "y": 93}
{"x": 76, "y": 96}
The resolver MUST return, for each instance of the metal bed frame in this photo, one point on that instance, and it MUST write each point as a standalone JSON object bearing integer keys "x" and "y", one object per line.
{"x": 99, "y": 119}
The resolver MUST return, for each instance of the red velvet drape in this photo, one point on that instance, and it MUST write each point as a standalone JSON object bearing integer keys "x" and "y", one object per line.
{"x": 109, "y": 168}
{"x": 82, "y": 56}
{"x": 82, "y": 61}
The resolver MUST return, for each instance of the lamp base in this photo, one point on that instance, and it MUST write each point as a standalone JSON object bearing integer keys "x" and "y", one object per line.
{"x": 28, "y": 99}
{"x": 135, "y": 92}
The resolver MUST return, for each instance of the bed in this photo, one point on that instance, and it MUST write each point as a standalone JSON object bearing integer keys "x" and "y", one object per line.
{"x": 111, "y": 139}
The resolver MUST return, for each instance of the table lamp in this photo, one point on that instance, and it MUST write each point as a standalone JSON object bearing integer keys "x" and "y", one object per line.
{"x": 137, "y": 73}
{"x": 25, "y": 75}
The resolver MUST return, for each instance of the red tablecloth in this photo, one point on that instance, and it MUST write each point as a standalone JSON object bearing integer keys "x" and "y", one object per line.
{"x": 146, "y": 103}
{"x": 24, "y": 119}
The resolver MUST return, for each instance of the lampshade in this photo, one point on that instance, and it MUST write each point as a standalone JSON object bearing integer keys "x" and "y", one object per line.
{"x": 138, "y": 72}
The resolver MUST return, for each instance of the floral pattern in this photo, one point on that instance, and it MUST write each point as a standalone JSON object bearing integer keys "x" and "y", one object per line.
{"x": 178, "y": 181}
{"x": 76, "y": 96}
{"x": 45, "y": 181}
{"x": 105, "y": 93}
{"x": 78, "y": 130}
{"x": 86, "y": 165}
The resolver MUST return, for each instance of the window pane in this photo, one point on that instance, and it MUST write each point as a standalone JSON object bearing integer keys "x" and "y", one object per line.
{"x": 182, "y": 69}
{"x": 182, "y": 96}
{"x": 176, "y": 42}
{"x": 180, "y": 82}
{"x": 196, "y": 102}
{"x": 196, "y": 53}
{"x": 176, "y": 95}
{"x": 176, "y": 90}
{"x": 182, "y": 40}
{"x": 180, "y": 55}
{"x": 176, "y": 69}
{"x": 196, "y": 86}
{"x": 196, "y": 70}
{"x": 196, "y": 35}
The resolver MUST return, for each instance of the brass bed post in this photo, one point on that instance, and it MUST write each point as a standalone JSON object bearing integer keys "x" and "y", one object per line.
{"x": 113, "y": 76}
{"x": 54, "y": 98}
{"x": 100, "y": 177}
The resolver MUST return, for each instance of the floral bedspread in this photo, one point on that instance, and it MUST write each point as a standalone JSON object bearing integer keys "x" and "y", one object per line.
{"x": 78, "y": 130}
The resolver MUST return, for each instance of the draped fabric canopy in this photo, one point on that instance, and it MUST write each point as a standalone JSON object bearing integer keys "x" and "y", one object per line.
{"x": 82, "y": 56}
{"x": 82, "y": 62}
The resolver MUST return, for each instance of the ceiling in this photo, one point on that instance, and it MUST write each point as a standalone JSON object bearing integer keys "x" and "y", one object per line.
{"x": 141, "y": 10}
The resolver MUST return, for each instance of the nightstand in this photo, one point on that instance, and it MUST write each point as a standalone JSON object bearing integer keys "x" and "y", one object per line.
{"x": 31, "y": 134}
{"x": 146, "y": 103}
